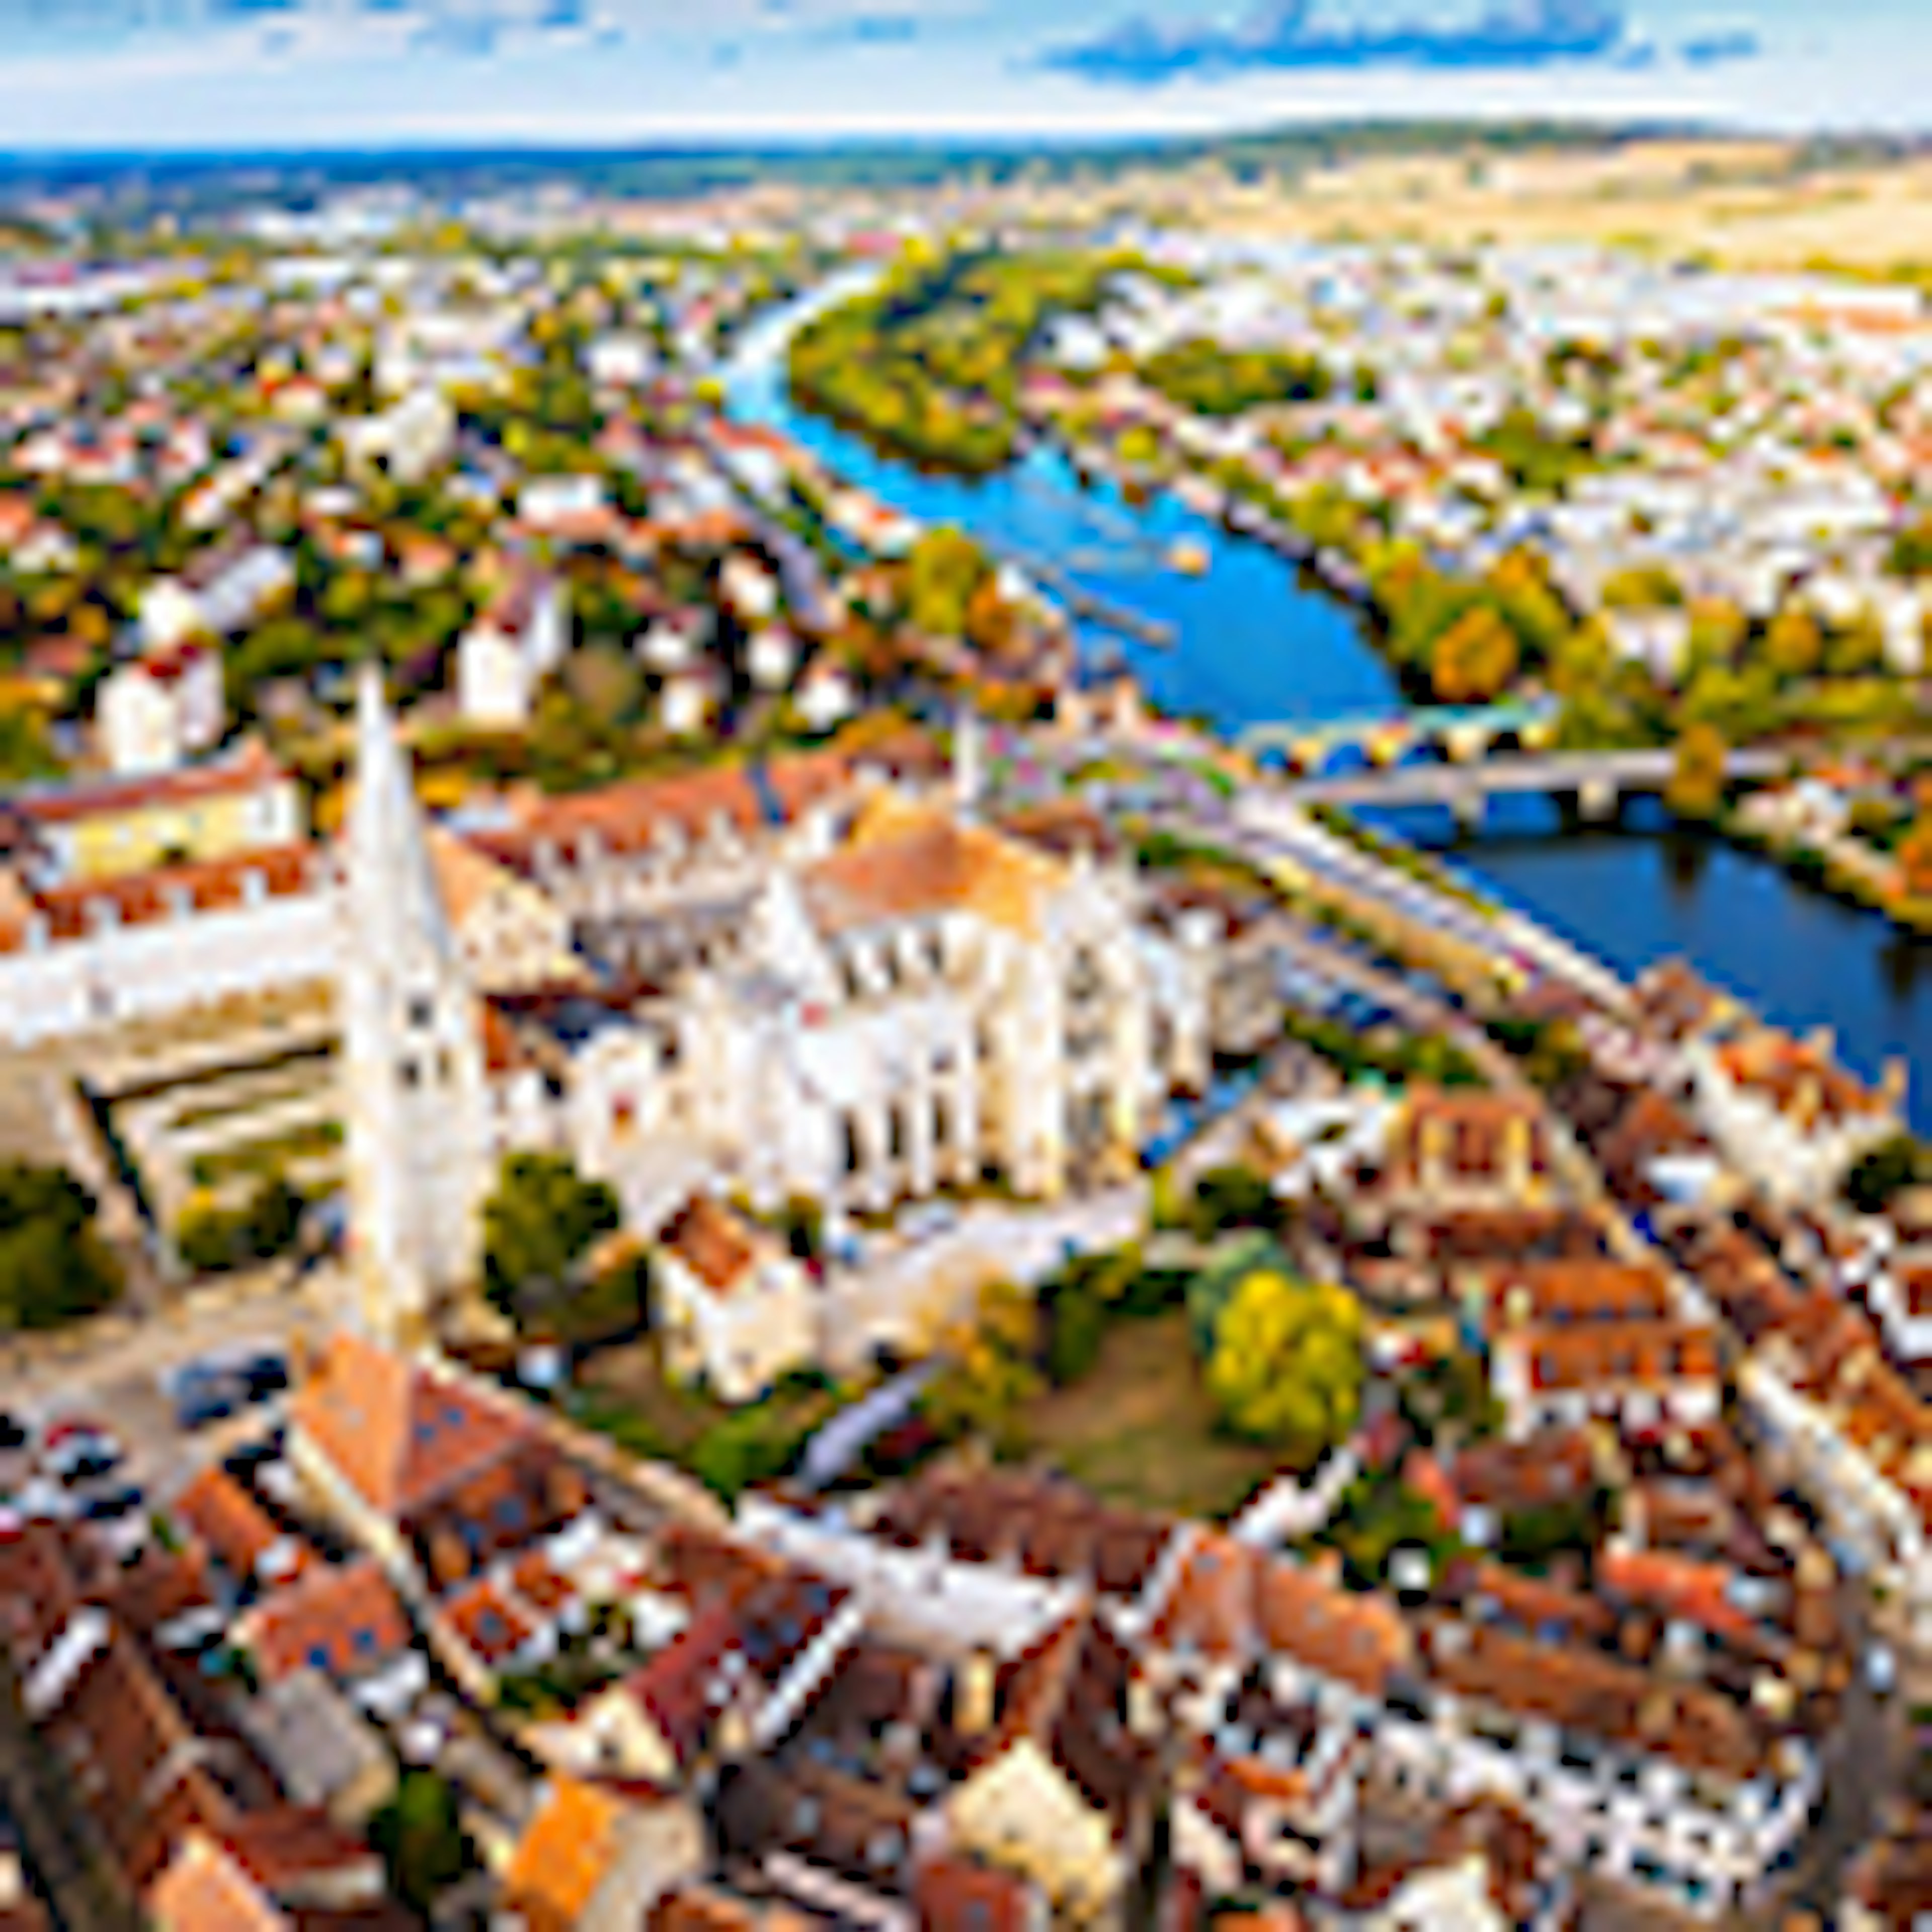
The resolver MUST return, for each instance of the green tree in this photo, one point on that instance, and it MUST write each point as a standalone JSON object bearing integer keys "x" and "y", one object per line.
{"x": 1887, "y": 1170}
{"x": 542, "y": 1220}
{"x": 1231, "y": 1197}
{"x": 54, "y": 1266}
{"x": 1696, "y": 788}
{"x": 1288, "y": 1363}
{"x": 419, "y": 1835}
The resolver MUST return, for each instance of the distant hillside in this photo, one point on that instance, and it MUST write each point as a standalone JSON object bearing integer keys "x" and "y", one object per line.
{"x": 670, "y": 172}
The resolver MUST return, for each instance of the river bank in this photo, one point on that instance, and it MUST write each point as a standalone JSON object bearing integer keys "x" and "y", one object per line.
{"x": 1258, "y": 641}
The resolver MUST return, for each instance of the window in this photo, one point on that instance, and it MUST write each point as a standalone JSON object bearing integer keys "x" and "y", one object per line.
{"x": 318, "y": 1657}
{"x": 420, "y": 1012}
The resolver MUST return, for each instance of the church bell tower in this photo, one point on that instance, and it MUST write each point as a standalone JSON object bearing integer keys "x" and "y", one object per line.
{"x": 417, "y": 1096}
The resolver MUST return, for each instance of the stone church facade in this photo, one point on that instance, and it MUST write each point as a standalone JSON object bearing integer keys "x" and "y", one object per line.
{"x": 866, "y": 999}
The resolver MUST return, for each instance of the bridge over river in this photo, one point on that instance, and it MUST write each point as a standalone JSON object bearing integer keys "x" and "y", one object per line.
{"x": 1596, "y": 780}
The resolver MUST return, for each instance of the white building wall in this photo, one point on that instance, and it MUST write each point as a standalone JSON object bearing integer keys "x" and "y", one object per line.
{"x": 166, "y": 966}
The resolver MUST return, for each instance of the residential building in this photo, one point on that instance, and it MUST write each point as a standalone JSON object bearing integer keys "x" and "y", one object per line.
{"x": 157, "y": 711}
{"x": 503, "y": 658}
{"x": 736, "y": 1308}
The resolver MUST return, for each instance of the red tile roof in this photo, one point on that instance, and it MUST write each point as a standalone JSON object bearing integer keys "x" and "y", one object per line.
{"x": 235, "y": 1529}
{"x": 400, "y": 1435}
{"x": 345, "y": 1621}
{"x": 486, "y": 1620}
{"x": 252, "y": 768}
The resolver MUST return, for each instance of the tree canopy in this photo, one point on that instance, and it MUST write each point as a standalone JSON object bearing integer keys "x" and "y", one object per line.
{"x": 54, "y": 1266}
{"x": 542, "y": 1220}
{"x": 1287, "y": 1366}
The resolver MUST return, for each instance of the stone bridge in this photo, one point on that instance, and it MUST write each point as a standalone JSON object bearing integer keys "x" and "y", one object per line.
{"x": 1596, "y": 780}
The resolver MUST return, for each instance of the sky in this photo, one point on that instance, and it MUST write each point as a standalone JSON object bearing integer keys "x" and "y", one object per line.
{"x": 122, "y": 74}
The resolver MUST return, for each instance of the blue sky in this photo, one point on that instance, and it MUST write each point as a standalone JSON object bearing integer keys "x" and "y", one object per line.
{"x": 228, "y": 73}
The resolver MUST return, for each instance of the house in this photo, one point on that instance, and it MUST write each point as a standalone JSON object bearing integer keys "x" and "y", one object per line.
{"x": 488, "y": 1633}
{"x": 342, "y": 1620}
{"x": 737, "y": 1309}
{"x": 758, "y": 1646}
{"x": 1060, "y": 1788}
{"x": 415, "y": 436}
{"x": 594, "y": 1858}
{"x": 433, "y": 1476}
{"x": 245, "y": 800}
{"x": 325, "y": 1753}
{"x": 1786, "y": 1114}
{"x": 220, "y": 592}
{"x": 1488, "y": 1869}
{"x": 250, "y": 1549}
{"x": 1457, "y": 1150}
{"x": 152, "y": 713}
{"x": 163, "y": 940}
{"x": 1663, "y": 1785}
{"x": 504, "y": 657}
{"x": 1570, "y": 1340}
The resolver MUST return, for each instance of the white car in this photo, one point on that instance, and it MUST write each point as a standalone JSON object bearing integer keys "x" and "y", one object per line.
{"x": 1881, "y": 1671}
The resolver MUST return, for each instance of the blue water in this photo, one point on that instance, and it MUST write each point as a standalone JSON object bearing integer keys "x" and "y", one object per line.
{"x": 1257, "y": 642}
{"x": 1646, "y": 891}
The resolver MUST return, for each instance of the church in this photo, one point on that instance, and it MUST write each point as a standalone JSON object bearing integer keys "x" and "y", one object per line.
{"x": 858, "y": 992}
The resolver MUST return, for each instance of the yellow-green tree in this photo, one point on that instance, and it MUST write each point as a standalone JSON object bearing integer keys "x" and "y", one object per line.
{"x": 945, "y": 567}
{"x": 992, "y": 1367}
{"x": 1287, "y": 1366}
{"x": 1696, "y": 788}
{"x": 1793, "y": 644}
{"x": 1476, "y": 658}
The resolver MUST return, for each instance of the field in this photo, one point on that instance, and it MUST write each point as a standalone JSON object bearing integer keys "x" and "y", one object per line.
{"x": 1742, "y": 204}
{"x": 1139, "y": 1428}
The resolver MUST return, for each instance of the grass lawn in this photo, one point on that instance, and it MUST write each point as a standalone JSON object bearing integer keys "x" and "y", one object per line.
{"x": 660, "y": 1417}
{"x": 1141, "y": 1430}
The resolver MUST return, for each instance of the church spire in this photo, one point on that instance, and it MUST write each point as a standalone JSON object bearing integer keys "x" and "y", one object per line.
{"x": 391, "y": 878}
{"x": 417, "y": 1092}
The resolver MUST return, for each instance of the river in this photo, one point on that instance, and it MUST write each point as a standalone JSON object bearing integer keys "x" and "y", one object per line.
{"x": 1256, "y": 641}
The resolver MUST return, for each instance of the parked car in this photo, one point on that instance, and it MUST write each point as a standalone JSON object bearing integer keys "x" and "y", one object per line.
{"x": 77, "y": 1451}
{"x": 264, "y": 1375}
{"x": 110, "y": 1504}
{"x": 205, "y": 1397}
